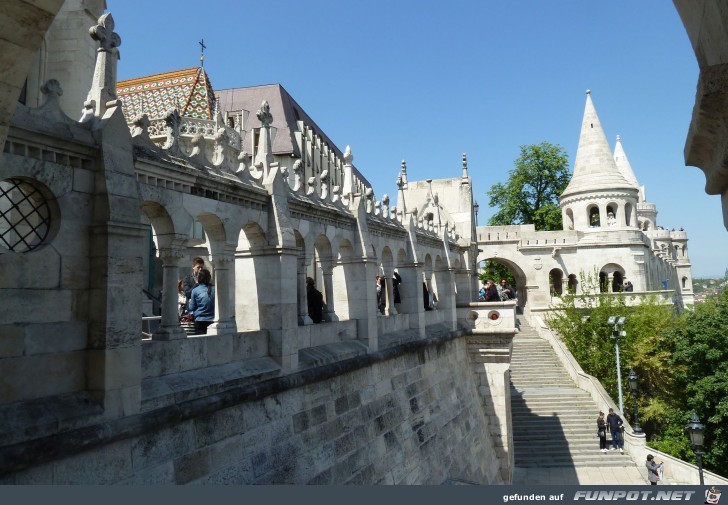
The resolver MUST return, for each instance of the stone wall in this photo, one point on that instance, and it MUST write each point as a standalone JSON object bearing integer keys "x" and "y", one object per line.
{"x": 410, "y": 415}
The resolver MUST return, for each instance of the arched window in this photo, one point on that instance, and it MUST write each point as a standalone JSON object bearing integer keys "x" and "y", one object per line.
{"x": 628, "y": 214}
{"x": 603, "y": 282}
{"x": 555, "y": 282}
{"x": 611, "y": 215}
{"x": 594, "y": 219}
{"x": 617, "y": 282}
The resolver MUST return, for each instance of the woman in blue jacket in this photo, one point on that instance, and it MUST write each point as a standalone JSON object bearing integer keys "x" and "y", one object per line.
{"x": 202, "y": 302}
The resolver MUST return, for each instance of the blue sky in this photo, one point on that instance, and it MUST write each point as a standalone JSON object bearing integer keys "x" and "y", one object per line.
{"x": 426, "y": 81}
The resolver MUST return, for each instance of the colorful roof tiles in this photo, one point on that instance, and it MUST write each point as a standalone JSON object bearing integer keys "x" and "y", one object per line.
{"x": 189, "y": 90}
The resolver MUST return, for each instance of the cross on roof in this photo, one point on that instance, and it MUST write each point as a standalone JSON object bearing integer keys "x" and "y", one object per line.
{"x": 202, "y": 53}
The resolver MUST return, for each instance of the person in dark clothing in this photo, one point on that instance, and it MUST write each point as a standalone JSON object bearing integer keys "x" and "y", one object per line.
{"x": 396, "y": 281}
{"x": 628, "y": 286}
{"x": 491, "y": 292}
{"x": 381, "y": 294}
{"x": 602, "y": 432}
{"x": 315, "y": 301}
{"x": 615, "y": 426}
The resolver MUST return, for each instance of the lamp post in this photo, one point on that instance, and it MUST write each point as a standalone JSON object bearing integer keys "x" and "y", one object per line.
{"x": 633, "y": 386}
{"x": 617, "y": 324}
{"x": 696, "y": 430}
{"x": 475, "y": 208}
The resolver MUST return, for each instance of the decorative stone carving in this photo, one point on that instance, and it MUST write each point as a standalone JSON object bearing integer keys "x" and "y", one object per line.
{"x": 324, "y": 179}
{"x": 348, "y": 157}
{"x": 335, "y": 194}
{"x": 199, "y": 148}
{"x": 264, "y": 115}
{"x": 311, "y": 186}
{"x": 465, "y": 166}
{"x": 243, "y": 171}
{"x": 370, "y": 200}
{"x": 297, "y": 175}
{"x": 140, "y": 132}
{"x": 103, "y": 87}
{"x": 385, "y": 206}
{"x": 51, "y": 90}
{"x": 172, "y": 120}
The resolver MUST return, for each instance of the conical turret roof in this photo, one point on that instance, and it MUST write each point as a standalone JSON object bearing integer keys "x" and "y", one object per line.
{"x": 594, "y": 167}
{"x": 620, "y": 158}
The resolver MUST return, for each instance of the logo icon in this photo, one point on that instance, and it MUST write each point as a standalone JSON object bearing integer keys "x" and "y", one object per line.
{"x": 712, "y": 496}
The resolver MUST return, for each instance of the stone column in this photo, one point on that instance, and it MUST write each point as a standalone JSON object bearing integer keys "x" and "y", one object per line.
{"x": 169, "y": 329}
{"x": 224, "y": 268}
{"x": 410, "y": 291}
{"x": 329, "y": 311}
{"x": 303, "y": 317}
{"x": 390, "y": 310}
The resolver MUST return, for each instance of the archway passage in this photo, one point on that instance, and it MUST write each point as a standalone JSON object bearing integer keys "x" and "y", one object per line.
{"x": 503, "y": 268}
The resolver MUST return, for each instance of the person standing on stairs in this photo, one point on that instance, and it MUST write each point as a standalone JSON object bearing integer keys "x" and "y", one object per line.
{"x": 615, "y": 425}
{"x": 653, "y": 469}
{"x": 602, "y": 432}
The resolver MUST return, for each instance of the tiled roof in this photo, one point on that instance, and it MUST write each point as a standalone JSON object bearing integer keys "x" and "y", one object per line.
{"x": 189, "y": 90}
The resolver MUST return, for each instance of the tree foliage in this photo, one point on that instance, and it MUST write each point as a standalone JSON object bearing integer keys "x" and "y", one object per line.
{"x": 531, "y": 194}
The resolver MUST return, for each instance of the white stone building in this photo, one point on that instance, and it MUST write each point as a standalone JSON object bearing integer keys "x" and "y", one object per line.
{"x": 610, "y": 232}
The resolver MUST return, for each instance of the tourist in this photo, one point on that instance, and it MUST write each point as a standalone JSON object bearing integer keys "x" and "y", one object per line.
{"x": 181, "y": 298}
{"x": 381, "y": 294}
{"x": 628, "y": 287}
{"x": 602, "y": 432}
{"x": 505, "y": 291}
{"x": 202, "y": 302}
{"x": 615, "y": 426}
{"x": 315, "y": 301}
{"x": 653, "y": 469}
{"x": 190, "y": 280}
{"x": 396, "y": 281}
{"x": 491, "y": 292}
{"x": 481, "y": 294}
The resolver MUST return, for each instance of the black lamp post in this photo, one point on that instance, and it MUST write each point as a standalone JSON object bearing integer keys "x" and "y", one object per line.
{"x": 617, "y": 324}
{"x": 632, "y": 378}
{"x": 475, "y": 208}
{"x": 697, "y": 431}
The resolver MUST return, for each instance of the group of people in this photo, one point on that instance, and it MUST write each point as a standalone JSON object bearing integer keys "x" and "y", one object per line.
{"x": 614, "y": 424}
{"x": 197, "y": 297}
{"x": 496, "y": 293}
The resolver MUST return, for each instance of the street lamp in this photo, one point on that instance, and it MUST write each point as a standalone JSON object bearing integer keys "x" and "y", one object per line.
{"x": 632, "y": 379}
{"x": 475, "y": 208}
{"x": 617, "y": 324}
{"x": 696, "y": 430}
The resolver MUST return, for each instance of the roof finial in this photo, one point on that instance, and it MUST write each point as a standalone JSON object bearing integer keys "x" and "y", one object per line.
{"x": 465, "y": 165}
{"x": 202, "y": 52}
{"x": 588, "y": 92}
{"x": 618, "y": 139}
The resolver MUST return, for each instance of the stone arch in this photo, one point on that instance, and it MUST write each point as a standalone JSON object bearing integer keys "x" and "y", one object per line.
{"x": 321, "y": 270}
{"x": 556, "y": 278}
{"x": 521, "y": 280}
{"x": 611, "y": 278}
{"x": 344, "y": 279}
{"x": 593, "y": 216}
{"x": 612, "y": 209}
{"x": 252, "y": 277}
{"x": 569, "y": 221}
{"x": 684, "y": 282}
{"x": 628, "y": 214}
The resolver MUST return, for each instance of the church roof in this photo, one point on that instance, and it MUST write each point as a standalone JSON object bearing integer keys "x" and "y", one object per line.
{"x": 285, "y": 110}
{"x": 189, "y": 90}
{"x": 594, "y": 167}
{"x": 620, "y": 158}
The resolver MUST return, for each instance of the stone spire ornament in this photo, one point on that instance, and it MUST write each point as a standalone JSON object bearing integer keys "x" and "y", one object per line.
{"x": 103, "y": 88}
{"x": 465, "y": 166}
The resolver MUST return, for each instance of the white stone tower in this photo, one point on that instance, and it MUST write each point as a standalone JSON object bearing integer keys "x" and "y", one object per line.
{"x": 598, "y": 195}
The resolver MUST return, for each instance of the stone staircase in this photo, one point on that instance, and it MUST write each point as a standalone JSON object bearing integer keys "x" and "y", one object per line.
{"x": 554, "y": 422}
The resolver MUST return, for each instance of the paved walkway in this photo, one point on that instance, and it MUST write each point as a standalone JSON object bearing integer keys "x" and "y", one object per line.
{"x": 591, "y": 475}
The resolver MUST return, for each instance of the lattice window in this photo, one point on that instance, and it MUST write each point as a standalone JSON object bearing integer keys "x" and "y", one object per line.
{"x": 25, "y": 216}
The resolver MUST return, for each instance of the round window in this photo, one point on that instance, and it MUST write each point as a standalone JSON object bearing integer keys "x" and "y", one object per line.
{"x": 25, "y": 216}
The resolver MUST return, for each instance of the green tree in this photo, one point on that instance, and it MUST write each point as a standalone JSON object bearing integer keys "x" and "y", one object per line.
{"x": 531, "y": 195}
{"x": 700, "y": 366}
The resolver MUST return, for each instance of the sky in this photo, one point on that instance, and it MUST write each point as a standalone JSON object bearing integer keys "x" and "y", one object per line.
{"x": 426, "y": 81}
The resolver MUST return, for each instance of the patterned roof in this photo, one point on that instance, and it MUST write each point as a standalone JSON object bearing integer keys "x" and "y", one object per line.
{"x": 189, "y": 90}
